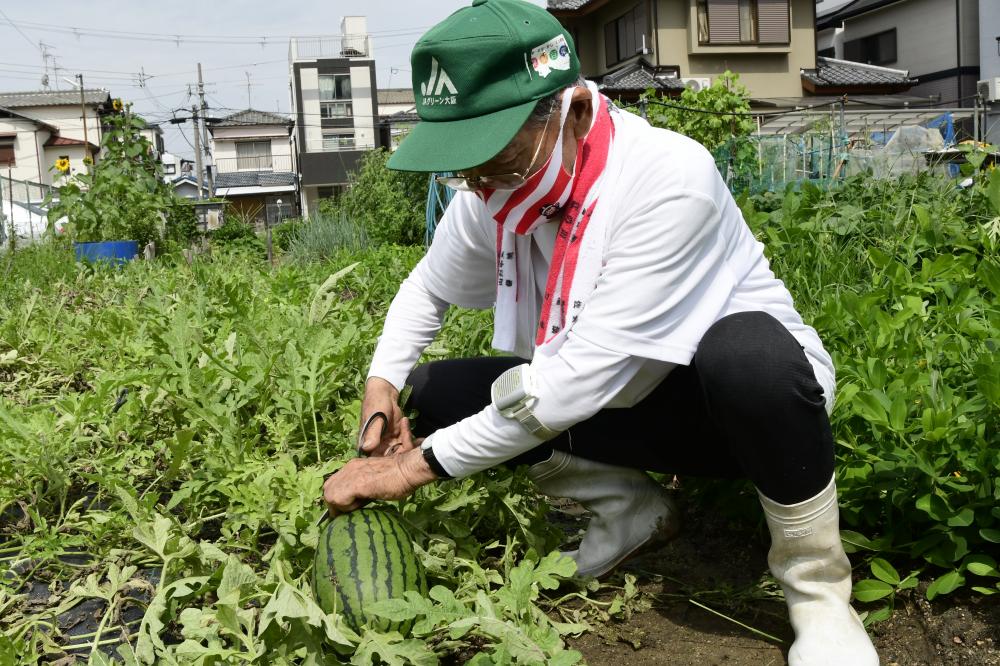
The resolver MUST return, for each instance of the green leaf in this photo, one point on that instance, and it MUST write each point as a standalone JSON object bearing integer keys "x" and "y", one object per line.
{"x": 981, "y": 565}
{"x": 934, "y": 506}
{"x": 392, "y": 650}
{"x": 884, "y": 571}
{"x": 394, "y": 610}
{"x": 993, "y": 190}
{"x": 869, "y": 589}
{"x": 990, "y": 534}
{"x": 945, "y": 584}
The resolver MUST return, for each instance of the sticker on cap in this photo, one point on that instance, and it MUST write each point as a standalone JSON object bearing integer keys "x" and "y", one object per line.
{"x": 553, "y": 54}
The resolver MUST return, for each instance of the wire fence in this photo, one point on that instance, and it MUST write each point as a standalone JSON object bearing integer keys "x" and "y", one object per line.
{"x": 23, "y": 211}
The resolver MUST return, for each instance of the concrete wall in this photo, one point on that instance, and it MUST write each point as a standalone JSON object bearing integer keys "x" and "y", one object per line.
{"x": 989, "y": 60}
{"x": 768, "y": 71}
{"x": 925, "y": 33}
{"x": 310, "y": 108}
{"x": 361, "y": 95}
{"x": 27, "y": 150}
{"x": 67, "y": 119}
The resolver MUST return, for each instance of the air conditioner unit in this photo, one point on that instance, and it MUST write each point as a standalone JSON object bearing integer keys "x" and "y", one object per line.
{"x": 696, "y": 83}
{"x": 989, "y": 89}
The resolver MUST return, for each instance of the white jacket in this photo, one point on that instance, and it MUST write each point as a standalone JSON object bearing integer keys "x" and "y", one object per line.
{"x": 678, "y": 257}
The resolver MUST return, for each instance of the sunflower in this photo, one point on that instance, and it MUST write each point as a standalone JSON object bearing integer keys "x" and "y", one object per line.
{"x": 116, "y": 104}
{"x": 62, "y": 165}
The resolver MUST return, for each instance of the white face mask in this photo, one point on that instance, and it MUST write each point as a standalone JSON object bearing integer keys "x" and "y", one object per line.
{"x": 542, "y": 195}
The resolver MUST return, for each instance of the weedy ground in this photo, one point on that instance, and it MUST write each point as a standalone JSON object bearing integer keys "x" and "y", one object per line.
{"x": 165, "y": 430}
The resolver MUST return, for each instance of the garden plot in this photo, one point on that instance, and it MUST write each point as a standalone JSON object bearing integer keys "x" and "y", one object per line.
{"x": 165, "y": 430}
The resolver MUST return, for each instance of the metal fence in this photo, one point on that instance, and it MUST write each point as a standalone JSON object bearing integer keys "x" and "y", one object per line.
{"x": 266, "y": 163}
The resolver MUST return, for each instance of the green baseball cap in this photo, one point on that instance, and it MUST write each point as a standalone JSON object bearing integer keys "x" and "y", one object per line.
{"x": 476, "y": 78}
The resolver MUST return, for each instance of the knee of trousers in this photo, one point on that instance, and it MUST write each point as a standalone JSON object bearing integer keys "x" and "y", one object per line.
{"x": 749, "y": 361}
{"x": 417, "y": 381}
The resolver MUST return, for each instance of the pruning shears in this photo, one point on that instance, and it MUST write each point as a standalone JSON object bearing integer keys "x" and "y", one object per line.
{"x": 361, "y": 438}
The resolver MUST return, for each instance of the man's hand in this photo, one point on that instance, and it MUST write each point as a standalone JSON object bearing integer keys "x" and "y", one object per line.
{"x": 381, "y": 396}
{"x": 385, "y": 478}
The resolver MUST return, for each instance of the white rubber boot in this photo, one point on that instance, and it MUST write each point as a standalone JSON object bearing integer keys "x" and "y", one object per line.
{"x": 808, "y": 559}
{"x": 630, "y": 512}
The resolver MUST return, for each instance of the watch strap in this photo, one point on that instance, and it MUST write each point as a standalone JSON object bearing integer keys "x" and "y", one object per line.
{"x": 432, "y": 462}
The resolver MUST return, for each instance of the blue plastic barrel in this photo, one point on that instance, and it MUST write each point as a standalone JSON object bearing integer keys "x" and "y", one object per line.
{"x": 112, "y": 252}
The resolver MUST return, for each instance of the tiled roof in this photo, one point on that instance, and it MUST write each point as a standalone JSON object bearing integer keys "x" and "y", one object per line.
{"x": 252, "y": 117}
{"x": 567, "y": 5}
{"x": 56, "y": 140}
{"x": 396, "y": 96}
{"x": 832, "y": 73}
{"x": 14, "y": 100}
{"x": 639, "y": 76}
{"x": 253, "y": 179}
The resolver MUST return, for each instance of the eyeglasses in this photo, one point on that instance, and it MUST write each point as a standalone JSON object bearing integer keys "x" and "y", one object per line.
{"x": 500, "y": 181}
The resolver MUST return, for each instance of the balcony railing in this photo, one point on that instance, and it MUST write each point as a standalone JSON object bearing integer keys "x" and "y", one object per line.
{"x": 277, "y": 163}
{"x": 334, "y": 46}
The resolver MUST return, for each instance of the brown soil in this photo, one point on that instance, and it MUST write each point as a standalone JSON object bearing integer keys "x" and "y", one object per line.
{"x": 722, "y": 565}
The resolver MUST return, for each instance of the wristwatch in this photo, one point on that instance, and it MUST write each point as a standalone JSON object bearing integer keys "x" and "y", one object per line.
{"x": 513, "y": 394}
{"x": 428, "y": 452}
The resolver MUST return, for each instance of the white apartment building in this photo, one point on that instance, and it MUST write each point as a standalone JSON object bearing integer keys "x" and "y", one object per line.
{"x": 335, "y": 106}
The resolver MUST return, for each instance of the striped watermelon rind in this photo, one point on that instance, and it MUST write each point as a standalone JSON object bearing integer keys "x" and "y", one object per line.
{"x": 366, "y": 556}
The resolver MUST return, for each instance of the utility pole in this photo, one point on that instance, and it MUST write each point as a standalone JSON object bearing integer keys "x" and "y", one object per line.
{"x": 83, "y": 115}
{"x": 197, "y": 149}
{"x": 204, "y": 132}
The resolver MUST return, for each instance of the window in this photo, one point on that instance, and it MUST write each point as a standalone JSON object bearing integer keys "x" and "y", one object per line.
{"x": 335, "y": 96}
{"x": 743, "y": 22}
{"x": 170, "y": 169}
{"x": 627, "y": 35}
{"x": 830, "y": 52}
{"x": 7, "y": 151}
{"x": 877, "y": 49}
{"x": 333, "y": 141}
{"x": 253, "y": 155}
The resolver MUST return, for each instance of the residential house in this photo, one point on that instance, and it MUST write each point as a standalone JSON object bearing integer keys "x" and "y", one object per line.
{"x": 39, "y": 127}
{"x": 398, "y": 110}
{"x": 937, "y": 41}
{"x": 335, "y": 107}
{"x": 255, "y": 166}
{"x": 628, "y": 47}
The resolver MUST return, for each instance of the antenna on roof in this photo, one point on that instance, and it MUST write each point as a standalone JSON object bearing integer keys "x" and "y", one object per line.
{"x": 44, "y": 48}
{"x": 249, "y": 105}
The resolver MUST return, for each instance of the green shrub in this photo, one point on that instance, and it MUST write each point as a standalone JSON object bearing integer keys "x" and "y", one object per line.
{"x": 282, "y": 234}
{"x": 124, "y": 196}
{"x": 237, "y": 236}
{"x": 389, "y": 205}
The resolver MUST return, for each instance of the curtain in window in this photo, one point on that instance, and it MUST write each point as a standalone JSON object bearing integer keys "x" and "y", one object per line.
{"x": 253, "y": 155}
{"x": 748, "y": 21}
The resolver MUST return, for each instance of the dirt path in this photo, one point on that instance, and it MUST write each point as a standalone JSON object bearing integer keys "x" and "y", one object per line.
{"x": 721, "y": 565}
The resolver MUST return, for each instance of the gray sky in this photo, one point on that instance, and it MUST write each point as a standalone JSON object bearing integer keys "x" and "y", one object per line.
{"x": 114, "y": 62}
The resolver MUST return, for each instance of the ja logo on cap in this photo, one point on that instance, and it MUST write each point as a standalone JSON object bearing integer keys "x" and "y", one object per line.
{"x": 553, "y": 54}
{"x": 433, "y": 88}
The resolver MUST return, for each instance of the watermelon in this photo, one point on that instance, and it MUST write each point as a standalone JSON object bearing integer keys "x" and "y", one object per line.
{"x": 363, "y": 557}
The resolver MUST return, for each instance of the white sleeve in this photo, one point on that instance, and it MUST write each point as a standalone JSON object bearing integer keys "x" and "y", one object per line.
{"x": 572, "y": 385}
{"x": 459, "y": 268}
{"x": 414, "y": 318}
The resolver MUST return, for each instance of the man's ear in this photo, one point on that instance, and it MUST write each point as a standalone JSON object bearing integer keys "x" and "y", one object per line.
{"x": 581, "y": 112}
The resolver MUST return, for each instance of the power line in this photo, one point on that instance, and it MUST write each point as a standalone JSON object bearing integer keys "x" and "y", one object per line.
{"x": 184, "y": 38}
{"x": 21, "y": 32}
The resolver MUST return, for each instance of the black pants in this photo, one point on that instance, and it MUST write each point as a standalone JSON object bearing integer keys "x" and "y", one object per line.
{"x": 748, "y": 405}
